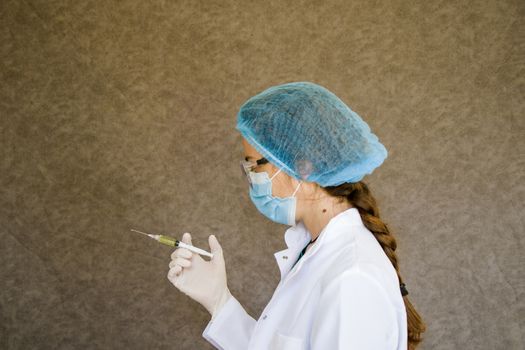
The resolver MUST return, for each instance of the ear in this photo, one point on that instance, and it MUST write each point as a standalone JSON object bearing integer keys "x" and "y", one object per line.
{"x": 304, "y": 168}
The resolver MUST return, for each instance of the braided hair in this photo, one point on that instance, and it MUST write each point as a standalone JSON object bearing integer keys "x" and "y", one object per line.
{"x": 360, "y": 197}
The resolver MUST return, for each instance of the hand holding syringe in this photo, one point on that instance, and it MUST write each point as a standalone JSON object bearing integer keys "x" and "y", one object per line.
{"x": 204, "y": 281}
{"x": 172, "y": 242}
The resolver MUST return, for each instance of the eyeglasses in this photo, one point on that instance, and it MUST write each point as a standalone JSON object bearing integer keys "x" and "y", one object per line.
{"x": 247, "y": 166}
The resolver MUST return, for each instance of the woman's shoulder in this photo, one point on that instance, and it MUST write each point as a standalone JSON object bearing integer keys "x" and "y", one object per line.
{"x": 358, "y": 255}
{"x": 363, "y": 282}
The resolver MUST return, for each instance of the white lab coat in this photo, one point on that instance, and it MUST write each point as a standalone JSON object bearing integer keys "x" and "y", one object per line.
{"x": 342, "y": 294}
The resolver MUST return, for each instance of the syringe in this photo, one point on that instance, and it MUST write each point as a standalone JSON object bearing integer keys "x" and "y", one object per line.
{"x": 172, "y": 242}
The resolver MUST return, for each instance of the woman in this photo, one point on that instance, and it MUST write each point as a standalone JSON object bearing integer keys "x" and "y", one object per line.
{"x": 306, "y": 153}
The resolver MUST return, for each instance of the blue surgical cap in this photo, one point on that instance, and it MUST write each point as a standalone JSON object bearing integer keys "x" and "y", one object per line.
{"x": 310, "y": 133}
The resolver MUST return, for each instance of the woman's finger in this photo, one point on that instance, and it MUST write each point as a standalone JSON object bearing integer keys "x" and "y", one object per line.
{"x": 176, "y": 262}
{"x": 174, "y": 273}
{"x": 185, "y": 253}
{"x": 183, "y": 262}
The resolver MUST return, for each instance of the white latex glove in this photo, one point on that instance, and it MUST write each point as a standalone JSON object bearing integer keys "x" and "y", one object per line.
{"x": 203, "y": 281}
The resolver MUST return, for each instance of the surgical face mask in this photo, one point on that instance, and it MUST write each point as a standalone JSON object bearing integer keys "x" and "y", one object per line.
{"x": 280, "y": 210}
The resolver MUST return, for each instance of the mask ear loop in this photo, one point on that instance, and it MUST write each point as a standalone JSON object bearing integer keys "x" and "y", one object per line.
{"x": 297, "y": 189}
{"x": 274, "y": 175}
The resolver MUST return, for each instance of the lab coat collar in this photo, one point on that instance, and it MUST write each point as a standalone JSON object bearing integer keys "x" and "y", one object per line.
{"x": 297, "y": 237}
{"x": 299, "y": 234}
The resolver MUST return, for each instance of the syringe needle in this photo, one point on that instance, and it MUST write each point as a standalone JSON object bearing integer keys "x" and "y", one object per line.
{"x": 144, "y": 233}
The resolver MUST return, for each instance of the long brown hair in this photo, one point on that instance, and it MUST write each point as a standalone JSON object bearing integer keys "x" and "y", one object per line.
{"x": 360, "y": 197}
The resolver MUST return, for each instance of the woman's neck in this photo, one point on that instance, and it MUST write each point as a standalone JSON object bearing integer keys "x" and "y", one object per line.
{"x": 316, "y": 217}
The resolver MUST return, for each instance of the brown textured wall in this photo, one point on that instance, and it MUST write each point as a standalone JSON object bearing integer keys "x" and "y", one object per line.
{"x": 122, "y": 114}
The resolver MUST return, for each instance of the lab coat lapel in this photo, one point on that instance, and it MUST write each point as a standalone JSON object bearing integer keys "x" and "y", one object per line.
{"x": 296, "y": 237}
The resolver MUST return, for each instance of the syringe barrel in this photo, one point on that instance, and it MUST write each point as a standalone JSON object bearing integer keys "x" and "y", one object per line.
{"x": 167, "y": 241}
